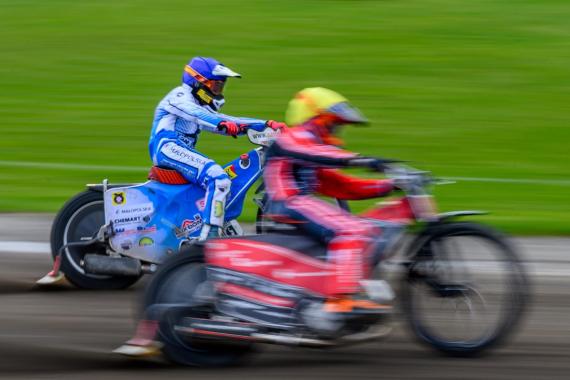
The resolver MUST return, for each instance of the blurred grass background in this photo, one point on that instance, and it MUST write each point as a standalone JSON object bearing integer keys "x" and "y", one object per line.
{"x": 470, "y": 88}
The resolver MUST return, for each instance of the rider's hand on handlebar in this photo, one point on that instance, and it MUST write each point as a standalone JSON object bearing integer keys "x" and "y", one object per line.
{"x": 275, "y": 125}
{"x": 230, "y": 128}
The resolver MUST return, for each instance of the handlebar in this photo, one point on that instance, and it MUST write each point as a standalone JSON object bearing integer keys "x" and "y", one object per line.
{"x": 375, "y": 164}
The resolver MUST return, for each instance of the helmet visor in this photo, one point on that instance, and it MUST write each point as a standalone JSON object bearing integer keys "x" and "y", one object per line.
{"x": 347, "y": 113}
{"x": 216, "y": 86}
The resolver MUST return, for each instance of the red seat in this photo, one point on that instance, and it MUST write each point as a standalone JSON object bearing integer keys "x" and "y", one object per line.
{"x": 167, "y": 176}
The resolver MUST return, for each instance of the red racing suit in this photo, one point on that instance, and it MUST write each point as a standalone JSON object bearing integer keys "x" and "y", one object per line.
{"x": 300, "y": 165}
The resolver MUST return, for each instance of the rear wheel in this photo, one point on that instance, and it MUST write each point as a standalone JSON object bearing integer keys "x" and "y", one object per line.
{"x": 177, "y": 283}
{"x": 465, "y": 290}
{"x": 79, "y": 220}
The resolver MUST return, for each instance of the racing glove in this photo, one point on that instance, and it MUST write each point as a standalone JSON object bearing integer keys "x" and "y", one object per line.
{"x": 231, "y": 129}
{"x": 275, "y": 125}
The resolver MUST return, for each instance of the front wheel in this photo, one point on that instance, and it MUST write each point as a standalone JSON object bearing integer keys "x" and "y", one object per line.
{"x": 79, "y": 220}
{"x": 465, "y": 290}
{"x": 179, "y": 282}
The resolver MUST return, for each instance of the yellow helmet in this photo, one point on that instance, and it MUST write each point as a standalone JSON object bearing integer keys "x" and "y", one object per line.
{"x": 315, "y": 101}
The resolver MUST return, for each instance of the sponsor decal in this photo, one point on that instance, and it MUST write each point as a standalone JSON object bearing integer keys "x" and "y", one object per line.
{"x": 138, "y": 230}
{"x": 119, "y": 198}
{"x": 289, "y": 274}
{"x": 230, "y": 171}
{"x": 126, "y": 245}
{"x": 246, "y": 262}
{"x": 180, "y": 154}
{"x": 127, "y": 220}
{"x": 201, "y": 204}
{"x": 146, "y": 242}
{"x": 230, "y": 230}
{"x": 143, "y": 209}
{"x": 189, "y": 226}
{"x": 218, "y": 209}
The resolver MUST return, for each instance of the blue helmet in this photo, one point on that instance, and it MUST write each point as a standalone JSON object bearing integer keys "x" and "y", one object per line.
{"x": 207, "y": 77}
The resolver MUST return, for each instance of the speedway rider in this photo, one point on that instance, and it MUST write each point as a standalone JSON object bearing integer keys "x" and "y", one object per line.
{"x": 304, "y": 161}
{"x": 178, "y": 120}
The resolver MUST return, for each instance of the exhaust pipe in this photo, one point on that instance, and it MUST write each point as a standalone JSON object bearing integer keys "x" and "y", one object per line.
{"x": 210, "y": 329}
{"x": 112, "y": 266}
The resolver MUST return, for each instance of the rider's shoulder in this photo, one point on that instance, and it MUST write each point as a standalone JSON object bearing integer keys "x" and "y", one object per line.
{"x": 180, "y": 95}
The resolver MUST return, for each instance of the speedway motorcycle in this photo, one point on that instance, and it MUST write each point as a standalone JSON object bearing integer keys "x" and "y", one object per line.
{"x": 108, "y": 236}
{"x": 462, "y": 287}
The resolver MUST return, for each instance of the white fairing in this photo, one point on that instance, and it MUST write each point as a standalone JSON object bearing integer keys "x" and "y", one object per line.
{"x": 263, "y": 138}
{"x": 130, "y": 211}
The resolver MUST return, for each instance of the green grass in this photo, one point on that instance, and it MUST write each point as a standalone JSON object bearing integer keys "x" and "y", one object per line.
{"x": 473, "y": 88}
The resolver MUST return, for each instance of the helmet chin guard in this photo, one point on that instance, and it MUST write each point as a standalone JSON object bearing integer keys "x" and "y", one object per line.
{"x": 207, "y": 98}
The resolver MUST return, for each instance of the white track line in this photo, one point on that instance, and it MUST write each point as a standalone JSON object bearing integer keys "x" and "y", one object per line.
{"x": 62, "y": 166}
{"x": 535, "y": 181}
{"x": 534, "y": 268}
{"x": 24, "y": 247}
{"x": 67, "y": 166}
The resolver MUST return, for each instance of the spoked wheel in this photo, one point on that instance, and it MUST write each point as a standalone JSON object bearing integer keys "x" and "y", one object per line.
{"x": 465, "y": 290}
{"x": 79, "y": 220}
{"x": 181, "y": 280}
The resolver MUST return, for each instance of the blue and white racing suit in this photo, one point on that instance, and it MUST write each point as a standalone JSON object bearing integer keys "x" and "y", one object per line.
{"x": 178, "y": 120}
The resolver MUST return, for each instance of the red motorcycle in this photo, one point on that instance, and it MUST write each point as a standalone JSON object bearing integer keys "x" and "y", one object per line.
{"x": 463, "y": 288}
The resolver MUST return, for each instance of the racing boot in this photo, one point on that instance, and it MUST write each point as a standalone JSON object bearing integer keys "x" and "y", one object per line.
{"x": 376, "y": 297}
{"x": 368, "y": 307}
{"x": 208, "y": 232}
{"x": 142, "y": 344}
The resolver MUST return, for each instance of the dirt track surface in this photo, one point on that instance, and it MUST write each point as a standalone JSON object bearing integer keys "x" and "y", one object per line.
{"x": 69, "y": 334}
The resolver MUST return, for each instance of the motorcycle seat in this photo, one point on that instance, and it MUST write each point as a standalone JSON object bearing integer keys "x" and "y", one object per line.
{"x": 166, "y": 176}
{"x": 294, "y": 240}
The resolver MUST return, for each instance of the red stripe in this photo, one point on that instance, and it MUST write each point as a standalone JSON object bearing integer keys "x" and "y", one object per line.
{"x": 255, "y": 295}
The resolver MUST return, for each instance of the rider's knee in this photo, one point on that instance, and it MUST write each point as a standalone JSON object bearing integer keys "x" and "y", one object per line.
{"x": 218, "y": 179}
{"x": 222, "y": 184}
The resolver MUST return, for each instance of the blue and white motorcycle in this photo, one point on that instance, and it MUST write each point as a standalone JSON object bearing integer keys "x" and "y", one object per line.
{"x": 108, "y": 236}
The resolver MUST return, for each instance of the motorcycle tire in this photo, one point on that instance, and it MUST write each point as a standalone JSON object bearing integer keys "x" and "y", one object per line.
{"x": 80, "y": 219}
{"x": 175, "y": 283}
{"x": 430, "y": 264}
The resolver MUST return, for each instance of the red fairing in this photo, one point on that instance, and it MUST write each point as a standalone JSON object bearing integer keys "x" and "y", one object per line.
{"x": 398, "y": 211}
{"x": 274, "y": 263}
{"x": 335, "y": 184}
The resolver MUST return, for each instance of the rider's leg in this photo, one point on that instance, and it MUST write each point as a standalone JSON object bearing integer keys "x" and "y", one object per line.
{"x": 349, "y": 239}
{"x": 217, "y": 185}
{"x": 201, "y": 170}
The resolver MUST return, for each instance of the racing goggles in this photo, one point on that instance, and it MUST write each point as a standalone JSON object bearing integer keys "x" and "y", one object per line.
{"x": 215, "y": 86}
